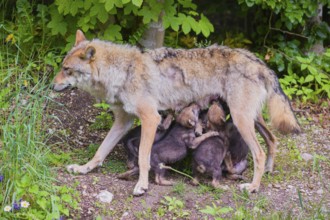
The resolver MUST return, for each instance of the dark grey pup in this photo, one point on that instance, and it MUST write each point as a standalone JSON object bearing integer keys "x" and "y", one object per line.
{"x": 236, "y": 159}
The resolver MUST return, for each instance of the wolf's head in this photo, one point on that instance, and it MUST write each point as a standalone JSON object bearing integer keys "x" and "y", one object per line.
{"x": 77, "y": 66}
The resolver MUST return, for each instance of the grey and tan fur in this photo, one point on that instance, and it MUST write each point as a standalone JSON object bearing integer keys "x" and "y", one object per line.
{"x": 138, "y": 84}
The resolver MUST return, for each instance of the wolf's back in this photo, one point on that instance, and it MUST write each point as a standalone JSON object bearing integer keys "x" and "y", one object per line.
{"x": 281, "y": 114}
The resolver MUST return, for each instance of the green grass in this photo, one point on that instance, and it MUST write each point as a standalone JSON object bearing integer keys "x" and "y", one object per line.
{"x": 24, "y": 155}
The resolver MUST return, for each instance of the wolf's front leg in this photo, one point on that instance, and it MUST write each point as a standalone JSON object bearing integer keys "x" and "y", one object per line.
{"x": 121, "y": 125}
{"x": 149, "y": 122}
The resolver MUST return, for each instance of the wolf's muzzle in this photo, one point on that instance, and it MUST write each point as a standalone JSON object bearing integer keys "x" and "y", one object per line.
{"x": 61, "y": 87}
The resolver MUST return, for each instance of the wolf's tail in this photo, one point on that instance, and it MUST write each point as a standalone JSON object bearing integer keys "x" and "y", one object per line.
{"x": 281, "y": 114}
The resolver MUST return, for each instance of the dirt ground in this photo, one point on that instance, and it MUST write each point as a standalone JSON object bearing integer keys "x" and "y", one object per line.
{"x": 298, "y": 188}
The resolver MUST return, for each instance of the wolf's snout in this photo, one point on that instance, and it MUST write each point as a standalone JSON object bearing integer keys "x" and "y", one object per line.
{"x": 58, "y": 87}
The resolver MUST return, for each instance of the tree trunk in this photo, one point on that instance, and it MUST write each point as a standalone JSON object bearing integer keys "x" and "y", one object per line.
{"x": 318, "y": 47}
{"x": 153, "y": 37}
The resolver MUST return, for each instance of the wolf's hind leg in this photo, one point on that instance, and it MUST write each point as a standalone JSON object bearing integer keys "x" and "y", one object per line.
{"x": 245, "y": 126}
{"x": 122, "y": 124}
{"x": 270, "y": 140}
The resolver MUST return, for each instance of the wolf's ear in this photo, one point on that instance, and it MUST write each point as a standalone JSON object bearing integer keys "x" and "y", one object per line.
{"x": 79, "y": 37}
{"x": 89, "y": 53}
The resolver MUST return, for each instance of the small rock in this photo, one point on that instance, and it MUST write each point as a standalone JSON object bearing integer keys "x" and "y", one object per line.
{"x": 90, "y": 210}
{"x": 290, "y": 187}
{"x": 124, "y": 214}
{"x": 306, "y": 156}
{"x": 320, "y": 191}
{"x": 105, "y": 196}
{"x": 224, "y": 187}
{"x": 277, "y": 186}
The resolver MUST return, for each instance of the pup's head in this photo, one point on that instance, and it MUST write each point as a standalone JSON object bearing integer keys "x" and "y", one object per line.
{"x": 188, "y": 117}
{"x": 77, "y": 66}
{"x": 216, "y": 117}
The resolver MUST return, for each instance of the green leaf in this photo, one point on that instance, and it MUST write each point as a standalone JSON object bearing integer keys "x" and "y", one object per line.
{"x": 187, "y": 4}
{"x": 318, "y": 78}
{"x": 34, "y": 189}
{"x": 74, "y": 7}
{"x": 303, "y": 66}
{"x": 309, "y": 78}
{"x": 42, "y": 203}
{"x": 312, "y": 70}
{"x": 206, "y": 26}
{"x": 43, "y": 193}
{"x": 194, "y": 24}
{"x": 130, "y": 8}
{"x": 112, "y": 33}
{"x": 66, "y": 198}
{"x": 138, "y": 3}
{"x": 87, "y": 4}
{"x": 57, "y": 24}
{"x": 100, "y": 12}
{"x": 302, "y": 60}
{"x": 171, "y": 21}
{"x": 109, "y": 5}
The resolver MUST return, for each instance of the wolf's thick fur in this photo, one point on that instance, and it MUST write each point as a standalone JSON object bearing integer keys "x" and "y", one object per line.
{"x": 138, "y": 84}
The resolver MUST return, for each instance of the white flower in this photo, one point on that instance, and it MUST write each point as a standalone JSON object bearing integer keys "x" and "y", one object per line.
{"x": 7, "y": 208}
{"x": 25, "y": 204}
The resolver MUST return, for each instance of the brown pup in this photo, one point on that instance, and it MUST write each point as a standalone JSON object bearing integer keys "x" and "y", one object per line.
{"x": 140, "y": 83}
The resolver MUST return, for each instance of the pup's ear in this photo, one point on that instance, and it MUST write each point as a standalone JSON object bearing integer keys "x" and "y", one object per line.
{"x": 79, "y": 37}
{"x": 89, "y": 53}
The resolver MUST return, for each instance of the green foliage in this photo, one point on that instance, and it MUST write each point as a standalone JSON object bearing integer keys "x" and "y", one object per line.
{"x": 175, "y": 207}
{"x": 26, "y": 174}
{"x": 123, "y": 20}
{"x": 216, "y": 211}
{"x": 307, "y": 75}
{"x": 104, "y": 120}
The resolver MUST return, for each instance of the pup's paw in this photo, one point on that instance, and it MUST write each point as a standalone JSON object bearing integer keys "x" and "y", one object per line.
{"x": 140, "y": 189}
{"x": 251, "y": 188}
{"x": 75, "y": 168}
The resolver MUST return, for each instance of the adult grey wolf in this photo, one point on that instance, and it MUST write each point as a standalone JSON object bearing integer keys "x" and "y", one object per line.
{"x": 139, "y": 83}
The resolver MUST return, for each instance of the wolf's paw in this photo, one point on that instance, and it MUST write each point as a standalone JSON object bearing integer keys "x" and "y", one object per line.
{"x": 251, "y": 188}
{"x": 75, "y": 168}
{"x": 140, "y": 189}
{"x": 269, "y": 166}
{"x": 268, "y": 169}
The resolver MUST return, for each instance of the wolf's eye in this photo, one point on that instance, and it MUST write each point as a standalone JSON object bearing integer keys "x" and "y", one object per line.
{"x": 67, "y": 71}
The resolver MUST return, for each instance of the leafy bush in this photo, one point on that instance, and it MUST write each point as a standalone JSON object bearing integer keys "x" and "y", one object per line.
{"x": 307, "y": 76}
{"x": 123, "y": 20}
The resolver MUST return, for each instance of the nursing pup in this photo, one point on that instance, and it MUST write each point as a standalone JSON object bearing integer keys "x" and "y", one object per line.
{"x": 209, "y": 155}
{"x": 140, "y": 83}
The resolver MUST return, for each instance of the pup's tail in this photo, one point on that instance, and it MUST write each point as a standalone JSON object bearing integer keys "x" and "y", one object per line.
{"x": 281, "y": 114}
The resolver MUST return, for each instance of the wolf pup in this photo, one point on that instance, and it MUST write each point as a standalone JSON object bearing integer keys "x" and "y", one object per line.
{"x": 209, "y": 155}
{"x": 140, "y": 83}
